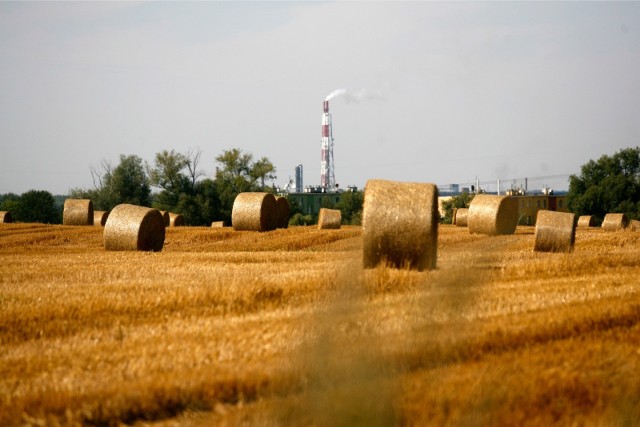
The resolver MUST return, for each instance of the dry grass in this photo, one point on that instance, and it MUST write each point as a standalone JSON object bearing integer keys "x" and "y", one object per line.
{"x": 6, "y": 217}
{"x": 555, "y": 231}
{"x": 461, "y": 217}
{"x": 282, "y": 206}
{"x": 134, "y": 228}
{"x": 77, "y": 212}
{"x": 254, "y": 212}
{"x": 615, "y": 222}
{"x": 286, "y": 328}
{"x": 329, "y": 219}
{"x": 100, "y": 218}
{"x": 400, "y": 224}
{"x": 176, "y": 220}
{"x": 493, "y": 215}
{"x": 586, "y": 221}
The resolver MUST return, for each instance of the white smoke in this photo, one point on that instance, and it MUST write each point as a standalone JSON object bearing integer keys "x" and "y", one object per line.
{"x": 357, "y": 96}
{"x": 337, "y": 92}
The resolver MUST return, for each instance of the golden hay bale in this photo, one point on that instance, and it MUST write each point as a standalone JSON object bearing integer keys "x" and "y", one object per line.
{"x": 282, "y": 208}
{"x": 555, "y": 231}
{"x": 165, "y": 218}
{"x": 462, "y": 217}
{"x": 329, "y": 219}
{"x": 254, "y": 212}
{"x": 615, "y": 222}
{"x": 134, "y": 228}
{"x": 77, "y": 212}
{"x": 175, "y": 220}
{"x": 217, "y": 224}
{"x": 586, "y": 221}
{"x": 5, "y": 217}
{"x": 493, "y": 215}
{"x": 100, "y": 217}
{"x": 634, "y": 225}
{"x": 400, "y": 224}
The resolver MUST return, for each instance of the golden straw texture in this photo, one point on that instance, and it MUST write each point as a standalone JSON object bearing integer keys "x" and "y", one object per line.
{"x": 329, "y": 219}
{"x": 77, "y": 212}
{"x": 165, "y": 218}
{"x": 175, "y": 220}
{"x": 555, "y": 231}
{"x": 134, "y": 228}
{"x": 5, "y": 217}
{"x": 462, "y": 217}
{"x": 493, "y": 215}
{"x": 615, "y": 222}
{"x": 100, "y": 217}
{"x": 634, "y": 225}
{"x": 586, "y": 221}
{"x": 282, "y": 206}
{"x": 254, "y": 212}
{"x": 217, "y": 224}
{"x": 400, "y": 224}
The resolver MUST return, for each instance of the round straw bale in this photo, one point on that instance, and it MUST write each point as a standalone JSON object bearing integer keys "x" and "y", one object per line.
{"x": 77, "y": 212}
{"x": 493, "y": 215}
{"x": 586, "y": 221}
{"x": 254, "y": 212}
{"x": 6, "y": 217}
{"x": 282, "y": 208}
{"x": 400, "y": 224}
{"x": 329, "y": 219}
{"x": 100, "y": 217}
{"x": 634, "y": 225}
{"x": 615, "y": 222}
{"x": 462, "y": 217}
{"x": 165, "y": 218}
{"x": 134, "y": 228}
{"x": 217, "y": 224}
{"x": 175, "y": 220}
{"x": 555, "y": 231}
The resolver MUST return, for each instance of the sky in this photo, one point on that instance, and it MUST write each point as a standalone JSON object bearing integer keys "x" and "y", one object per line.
{"x": 440, "y": 92}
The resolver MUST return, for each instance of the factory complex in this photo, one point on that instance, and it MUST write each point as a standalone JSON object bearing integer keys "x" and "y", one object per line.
{"x": 312, "y": 198}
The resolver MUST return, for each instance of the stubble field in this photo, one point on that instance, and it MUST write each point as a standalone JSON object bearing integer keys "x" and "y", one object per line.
{"x": 286, "y": 328}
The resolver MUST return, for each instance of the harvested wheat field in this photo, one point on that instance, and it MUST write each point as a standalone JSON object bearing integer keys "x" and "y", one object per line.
{"x": 282, "y": 328}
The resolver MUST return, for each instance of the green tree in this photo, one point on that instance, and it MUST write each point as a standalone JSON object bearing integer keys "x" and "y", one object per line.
{"x": 126, "y": 183}
{"x": 38, "y": 206}
{"x": 238, "y": 173}
{"x": 168, "y": 175}
{"x": 350, "y": 206}
{"x": 129, "y": 183}
{"x": 462, "y": 200}
{"x": 10, "y": 202}
{"x": 262, "y": 170}
{"x": 610, "y": 184}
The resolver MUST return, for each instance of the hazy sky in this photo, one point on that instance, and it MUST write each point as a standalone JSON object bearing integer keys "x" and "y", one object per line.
{"x": 450, "y": 91}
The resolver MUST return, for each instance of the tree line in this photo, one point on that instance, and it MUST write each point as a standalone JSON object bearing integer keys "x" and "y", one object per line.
{"x": 606, "y": 185}
{"x": 181, "y": 187}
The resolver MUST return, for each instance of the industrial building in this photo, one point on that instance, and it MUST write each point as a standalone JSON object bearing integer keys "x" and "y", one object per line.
{"x": 311, "y": 198}
{"x": 530, "y": 204}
